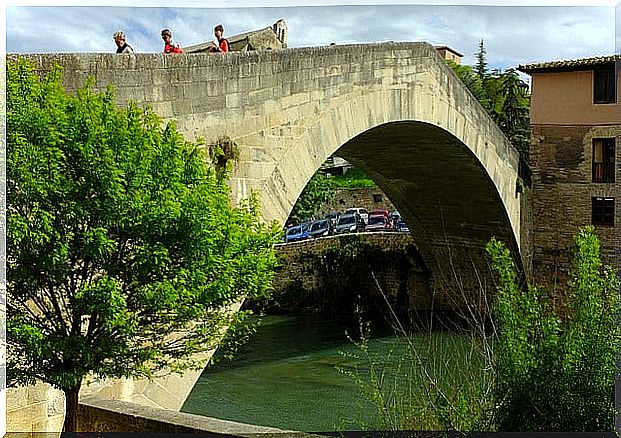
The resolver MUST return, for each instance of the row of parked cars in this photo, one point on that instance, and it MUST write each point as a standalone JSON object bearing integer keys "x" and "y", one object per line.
{"x": 352, "y": 220}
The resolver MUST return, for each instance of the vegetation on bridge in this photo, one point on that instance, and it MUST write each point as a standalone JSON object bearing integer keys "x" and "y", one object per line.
{"x": 124, "y": 252}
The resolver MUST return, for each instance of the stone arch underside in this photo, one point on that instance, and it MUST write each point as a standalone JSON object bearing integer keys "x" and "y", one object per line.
{"x": 445, "y": 194}
{"x": 449, "y": 201}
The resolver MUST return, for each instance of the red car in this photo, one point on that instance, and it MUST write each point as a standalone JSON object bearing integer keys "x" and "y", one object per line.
{"x": 379, "y": 220}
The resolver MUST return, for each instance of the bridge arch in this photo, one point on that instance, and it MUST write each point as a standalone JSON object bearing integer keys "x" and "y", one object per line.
{"x": 449, "y": 193}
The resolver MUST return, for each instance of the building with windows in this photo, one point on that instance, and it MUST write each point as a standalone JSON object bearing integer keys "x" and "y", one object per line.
{"x": 575, "y": 159}
{"x": 449, "y": 54}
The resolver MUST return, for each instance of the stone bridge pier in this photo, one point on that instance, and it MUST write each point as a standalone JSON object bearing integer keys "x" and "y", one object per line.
{"x": 395, "y": 110}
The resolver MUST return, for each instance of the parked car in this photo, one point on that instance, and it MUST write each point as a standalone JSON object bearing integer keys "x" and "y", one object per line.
{"x": 395, "y": 217}
{"x": 321, "y": 228}
{"x": 333, "y": 217}
{"x": 349, "y": 223}
{"x": 379, "y": 220}
{"x": 297, "y": 233}
{"x": 402, "y": 226}
{"x": 364, "y": 214}
{"x": 380, "y": 212}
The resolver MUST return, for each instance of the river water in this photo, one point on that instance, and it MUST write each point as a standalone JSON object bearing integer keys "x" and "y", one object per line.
{"x": 299, "y": 373}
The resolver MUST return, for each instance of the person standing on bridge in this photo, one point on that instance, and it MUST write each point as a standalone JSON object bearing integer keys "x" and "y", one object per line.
{"x": 121, "y": 45}
{"x": 221, "y": 44}
{"x": 169, "y": 45}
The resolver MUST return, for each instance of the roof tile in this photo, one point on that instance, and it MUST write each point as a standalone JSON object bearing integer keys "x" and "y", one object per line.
{"x": 573, "y": 64}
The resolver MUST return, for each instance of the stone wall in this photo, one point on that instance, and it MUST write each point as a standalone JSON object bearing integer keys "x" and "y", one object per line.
{"x": 97, "y": 415}
{"x": 561, "y": 159}
{"x": 36, "y": 408}
{"x": 340, "y": 273}
{"x": 336, "y": 274}
{"x": 369, "y": 198}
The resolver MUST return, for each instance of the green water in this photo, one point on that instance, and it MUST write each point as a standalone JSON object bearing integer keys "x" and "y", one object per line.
{"x": 292, "y": 374}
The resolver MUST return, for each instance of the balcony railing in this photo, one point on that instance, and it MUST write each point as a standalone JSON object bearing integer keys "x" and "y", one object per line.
{"x": 603, "y": 172}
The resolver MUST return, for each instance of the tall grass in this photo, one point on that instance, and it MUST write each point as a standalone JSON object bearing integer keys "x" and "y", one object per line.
{"x": 435, "y": 379}
{"x": 527, "y": 369}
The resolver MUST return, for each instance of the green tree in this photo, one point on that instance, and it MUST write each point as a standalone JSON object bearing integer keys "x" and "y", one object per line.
{"x": 514, "y": 116}
{"x": 556, "y": 374}
{"x": 319, "y": 189}
{"x": 503, "y": 95}
{"x": 481, "y": 65}
{"x": 472, "y": 81}
{"x": 124, "y": 252}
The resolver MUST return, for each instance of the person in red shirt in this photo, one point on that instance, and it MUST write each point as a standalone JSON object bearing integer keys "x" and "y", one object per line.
{"x": 223, "y": 44}
{"x": 169, "y": 45}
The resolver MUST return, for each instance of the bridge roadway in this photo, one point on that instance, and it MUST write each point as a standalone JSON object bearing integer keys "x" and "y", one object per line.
{"x": 395, "y": 110}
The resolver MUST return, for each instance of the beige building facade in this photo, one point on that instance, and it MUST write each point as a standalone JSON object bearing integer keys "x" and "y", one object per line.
{"x": 575, "y": 157}
{"x": 269, "y": 38}
{"x": 449, "y": 54}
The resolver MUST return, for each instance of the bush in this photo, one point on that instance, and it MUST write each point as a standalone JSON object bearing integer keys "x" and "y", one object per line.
{"x": 556, "y": 374}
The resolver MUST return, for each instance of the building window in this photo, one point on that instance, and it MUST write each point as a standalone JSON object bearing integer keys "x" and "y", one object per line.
{"x": 377, "y": 197}
{"x": 604, "y": 160}
{"x": 603, "y": 211}
{"x": 604, "y": 85}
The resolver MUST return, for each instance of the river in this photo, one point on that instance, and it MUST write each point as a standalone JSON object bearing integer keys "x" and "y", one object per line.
{"x": 299, "y": 373}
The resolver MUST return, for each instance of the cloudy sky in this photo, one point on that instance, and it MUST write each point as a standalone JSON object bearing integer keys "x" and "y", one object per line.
{"x": 512, "y": 35}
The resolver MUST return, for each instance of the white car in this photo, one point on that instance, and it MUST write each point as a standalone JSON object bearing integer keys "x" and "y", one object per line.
{"x": 364, "y": 214}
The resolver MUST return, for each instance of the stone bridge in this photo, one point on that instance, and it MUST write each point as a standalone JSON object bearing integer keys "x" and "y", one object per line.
{"x": 395, "y": 110}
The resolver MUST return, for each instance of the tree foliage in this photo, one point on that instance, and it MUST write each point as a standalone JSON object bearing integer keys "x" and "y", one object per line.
{"x": 472, "y": 81}
{"x": 556, "y": 374}
{"x": 481, "y": 65}
{"x": 124, "y": 252}
{"x": 503, "y": 95}
{"x": 322, "y": 187}
{"x": 354, "y": 178}
{"x": 319, "y": 189}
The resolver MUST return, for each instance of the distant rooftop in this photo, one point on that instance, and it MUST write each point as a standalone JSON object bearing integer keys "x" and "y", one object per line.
{"x": 573, "y": 64}
{"x": 268, "y": 38}
{"x": 449, "y": 54}
{"x": 449, "y": 49}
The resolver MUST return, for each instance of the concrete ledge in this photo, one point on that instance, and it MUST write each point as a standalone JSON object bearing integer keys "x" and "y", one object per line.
{"x": 96, "y": 415}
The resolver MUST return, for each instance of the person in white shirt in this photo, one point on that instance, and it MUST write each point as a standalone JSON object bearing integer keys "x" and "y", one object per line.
{"x": 121, "y": 45}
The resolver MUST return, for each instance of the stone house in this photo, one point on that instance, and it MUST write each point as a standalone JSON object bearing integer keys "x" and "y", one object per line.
{"x": 269, "y": 38}
{"x": 449, "y": 54}
{"x": 576, "y": 160}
